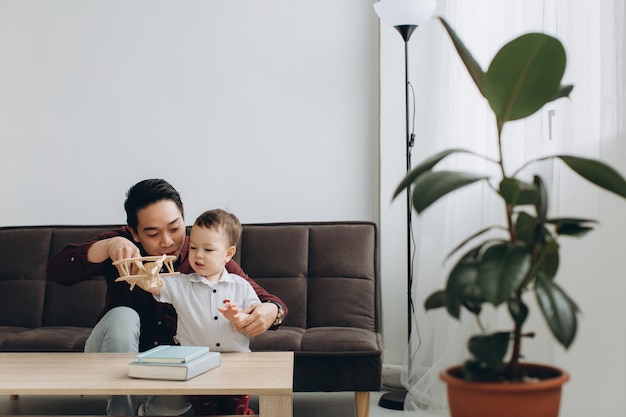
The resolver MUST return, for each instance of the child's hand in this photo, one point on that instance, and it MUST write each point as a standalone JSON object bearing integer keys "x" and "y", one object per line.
{"x": 232, "y": 312}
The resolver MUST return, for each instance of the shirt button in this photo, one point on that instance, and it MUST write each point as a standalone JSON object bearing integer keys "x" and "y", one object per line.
{"x": 155, "y": 343}
{"x": 215, "y": 318}
{"x": 214, "y": 291}
{"x": 72, "y": 259}
{"x": 159, "y": 322}
{"x": 218, "y": 344}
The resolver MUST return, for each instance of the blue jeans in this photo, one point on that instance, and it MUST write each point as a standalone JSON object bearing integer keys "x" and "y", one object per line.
{"x": 118, "y": 331}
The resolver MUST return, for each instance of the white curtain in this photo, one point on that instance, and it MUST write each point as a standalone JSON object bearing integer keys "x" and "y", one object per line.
{"x": 591, "y": 123}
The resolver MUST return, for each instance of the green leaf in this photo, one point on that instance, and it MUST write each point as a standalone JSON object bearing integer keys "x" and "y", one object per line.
{"x": 549, "y": 258}
{"x": 516, "y": 192}
{"x": 426, "y": 166}
{"x": 526, "y": 228}
{"x": 473, "y": 307}
{"x": 597, "y": 172}
{"x": 572, "y": 227}
{"x": 431, "y": 186}
{"x": 558, "y": 309}
{"x": 518, "y": 311}
{"x": 489, "y": 352}
{"x": 474, "y": 236}
{"x": 462, "y": 286}
{"x": 502, "y": 270}
{"x": 435, "y": 300}
{"x": 490, "y": 348}
{"x": 562, "y": 92}
{"x": 474, "y": 69}
{"x": 524, "y": 75}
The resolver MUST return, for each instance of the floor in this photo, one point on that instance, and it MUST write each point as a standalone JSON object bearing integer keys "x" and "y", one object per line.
{"x": 304, "y": 405}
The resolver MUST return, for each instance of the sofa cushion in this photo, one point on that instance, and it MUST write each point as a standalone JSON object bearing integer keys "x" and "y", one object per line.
{"x": 24, "y": 252}
{"x": 286, "y": 338}
{"x": 277, "y": 251}
{"x": 47, "y": 339}
{"x": 342, "y": 302}
{"x": 293, "y": 292}
{"x": 65, "y": 235}
{"x": 78, "y": 305}
{"x": 6, "y": 331}
{"x": 343, "y": 251}
{"x": 338, "y": 340}
{"x": 21, "y": 303}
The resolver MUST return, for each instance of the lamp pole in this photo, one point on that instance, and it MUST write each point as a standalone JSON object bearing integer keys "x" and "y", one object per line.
{"x": 395, "y": 399}
{"x": 406, "y": 31}
{"x": 405, "y": 16}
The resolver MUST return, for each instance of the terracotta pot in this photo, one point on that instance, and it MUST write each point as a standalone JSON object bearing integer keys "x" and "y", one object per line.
{"x": 517, "y": 399}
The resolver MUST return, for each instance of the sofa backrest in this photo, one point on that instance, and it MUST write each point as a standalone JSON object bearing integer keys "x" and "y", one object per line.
{"x": 27, "y": 299}
{"x": 326, "y": 273}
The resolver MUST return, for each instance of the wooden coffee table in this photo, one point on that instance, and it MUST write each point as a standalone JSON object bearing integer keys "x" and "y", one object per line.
{"x": 268, "y": 375}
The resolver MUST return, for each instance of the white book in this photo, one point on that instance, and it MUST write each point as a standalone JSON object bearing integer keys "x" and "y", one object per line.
{"x": 172, "y": 354}
{"x": 175, "y": 371}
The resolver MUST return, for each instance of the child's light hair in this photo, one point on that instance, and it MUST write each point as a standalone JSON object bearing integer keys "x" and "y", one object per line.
{"x": 221, "y": 220}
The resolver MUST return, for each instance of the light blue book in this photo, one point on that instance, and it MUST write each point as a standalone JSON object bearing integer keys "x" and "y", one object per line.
{"x": 175, "y": 371}
{"x": 172, "y": 354}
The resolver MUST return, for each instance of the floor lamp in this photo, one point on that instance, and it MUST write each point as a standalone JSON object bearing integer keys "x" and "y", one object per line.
{"x": 405, "y": 16}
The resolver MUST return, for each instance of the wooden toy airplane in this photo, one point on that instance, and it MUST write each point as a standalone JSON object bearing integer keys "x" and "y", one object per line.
{"x": 148, "y": 268}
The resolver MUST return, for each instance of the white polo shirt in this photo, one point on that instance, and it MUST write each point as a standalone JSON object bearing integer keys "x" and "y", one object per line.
{"x": 196, "y": 301}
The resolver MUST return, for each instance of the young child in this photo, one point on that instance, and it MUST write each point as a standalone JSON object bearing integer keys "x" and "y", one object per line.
{"x": 208, "y": 300}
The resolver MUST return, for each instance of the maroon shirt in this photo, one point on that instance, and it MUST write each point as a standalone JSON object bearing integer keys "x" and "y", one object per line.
{"x": 158, "y": 320}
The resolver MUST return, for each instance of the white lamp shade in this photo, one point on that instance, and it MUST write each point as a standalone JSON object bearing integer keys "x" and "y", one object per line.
{"x": 405, "y": 12}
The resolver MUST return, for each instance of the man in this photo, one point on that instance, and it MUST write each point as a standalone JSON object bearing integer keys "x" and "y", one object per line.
{"x": 133, "y": 321}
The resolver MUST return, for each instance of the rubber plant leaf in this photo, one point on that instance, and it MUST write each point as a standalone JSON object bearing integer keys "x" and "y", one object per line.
{"x": 474, "y": 236}
{"x": 597, "y": 172}
{"x": 426, "y": 166}
{"x": 525, "y": 227}
{"x": 435, "y": 300}
{"x": 462, "y": 286}
{"x": 474, "y": 69}
{"x": 558, "y": 309}
{"x": 549, "y": 259}
{"x": 572, "y": 227}
{"x": 518, "y": 310}
{"x": 524, "y": 75}
{"x": 489, "y": 351}
{"x": 502, "y": 270}
{"x": 431, "y": 186}
{"x": 490, "y": 348}
{"x": 516, "y": 192}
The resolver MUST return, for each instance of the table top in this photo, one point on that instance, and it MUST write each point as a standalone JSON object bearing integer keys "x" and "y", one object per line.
{"x": 256, "y": 373}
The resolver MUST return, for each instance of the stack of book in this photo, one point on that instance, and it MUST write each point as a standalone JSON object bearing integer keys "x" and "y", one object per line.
{"x": 173, "y": 362}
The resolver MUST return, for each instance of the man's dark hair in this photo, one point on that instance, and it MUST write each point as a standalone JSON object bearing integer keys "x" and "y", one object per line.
{"x": 147, "y": 192}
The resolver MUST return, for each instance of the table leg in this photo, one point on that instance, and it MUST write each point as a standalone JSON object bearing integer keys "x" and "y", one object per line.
{"x": 276, "y": 405}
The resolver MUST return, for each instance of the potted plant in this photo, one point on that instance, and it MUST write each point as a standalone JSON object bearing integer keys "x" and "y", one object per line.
{"x": 503, "y": 263}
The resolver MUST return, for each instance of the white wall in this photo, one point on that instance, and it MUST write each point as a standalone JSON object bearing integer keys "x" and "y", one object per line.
{"x": 268, "y": 109}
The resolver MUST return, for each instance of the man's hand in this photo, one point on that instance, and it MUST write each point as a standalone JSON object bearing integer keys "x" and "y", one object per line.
{"x": 115, "y": 248}
{"x": 258, "y": 318}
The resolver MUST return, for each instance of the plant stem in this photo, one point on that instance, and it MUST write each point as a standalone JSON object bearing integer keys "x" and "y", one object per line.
{"x": 512, "y": 369}
{"x": 509, "y": 209}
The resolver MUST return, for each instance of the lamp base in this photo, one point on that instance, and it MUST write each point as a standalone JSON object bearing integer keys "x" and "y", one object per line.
{"x": 393, "y": 400}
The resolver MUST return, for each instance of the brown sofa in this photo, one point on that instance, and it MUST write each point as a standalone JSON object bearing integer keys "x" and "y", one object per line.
{"x": 326, "y": 273}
